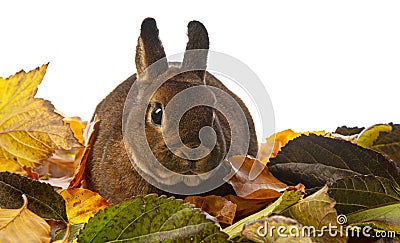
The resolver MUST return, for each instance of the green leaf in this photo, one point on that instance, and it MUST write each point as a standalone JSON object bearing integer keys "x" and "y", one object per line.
{"x": 362, "y": 192}
{"x": 318, "y": 211}
{"x": 386, "y": 140}
{"x": 287, "y": 199}
{"x": 315, "y": 160}
{"x": 385, "y": 217}
{"x": 43, "y": 200}
{"x": 348, "y": 131}
{"x": 151, "y": 219}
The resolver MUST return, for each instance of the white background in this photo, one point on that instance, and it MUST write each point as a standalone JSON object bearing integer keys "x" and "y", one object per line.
{"x": 324, "y": 64}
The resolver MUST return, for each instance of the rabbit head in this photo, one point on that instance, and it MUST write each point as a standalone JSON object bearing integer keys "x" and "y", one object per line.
{"x": 173, "y": 114}
{"x": 179, "y": 141}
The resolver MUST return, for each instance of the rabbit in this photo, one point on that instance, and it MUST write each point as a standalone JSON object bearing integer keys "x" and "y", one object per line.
{"x": 109, "y": 170}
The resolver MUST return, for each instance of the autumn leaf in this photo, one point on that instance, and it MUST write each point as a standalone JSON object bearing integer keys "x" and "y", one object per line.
{"x": 21, "y": 225}
{"x": 369, "y": 135}
{"x": 316, "y": 160}
{"x": 276, "y": 141}
{"x": 60, "y": 164}
{"x": 287, "y": 199}
{"x": 65, "y": 237}
{"x": 252, "y": 179}
{"x": 82, "y": 154}
{"x": 43, "y": 200}
{"x": 280, "y": 139}
{"x": 30, "y": 130}
{"x": 348, "y": 131}
{"x": 219, "y": 207}
{"x": 8, "y": 165}
{"x": 69, "y": 234}
{"x": 77, "y": 126}
{"x": 81, "y": 204}
{"x": 246, "y": 207}
{"x": 63, "y": 163}
{"x": 385, "y": 217}
{"x": 362, "y": 192}
{"x": 384, "y": 138}
{"x": 151, "y": 219}
{"x": 266, "y": 230}
{"x": 317, "y": 210}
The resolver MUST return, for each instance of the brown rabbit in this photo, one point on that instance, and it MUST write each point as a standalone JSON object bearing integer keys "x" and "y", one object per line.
{"x": 109, "y": 171}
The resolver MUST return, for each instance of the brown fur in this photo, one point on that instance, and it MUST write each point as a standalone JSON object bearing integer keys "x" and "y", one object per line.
{"x": 109, "y": 170}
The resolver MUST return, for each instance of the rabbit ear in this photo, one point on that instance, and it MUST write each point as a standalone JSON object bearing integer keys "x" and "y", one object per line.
{"x": 149, "y": 48}
{"x": 198, "y": 39}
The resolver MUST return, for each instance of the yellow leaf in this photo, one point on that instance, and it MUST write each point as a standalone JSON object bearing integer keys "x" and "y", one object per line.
{"x": 82, "y": 204}
{"x": 21, "y": 225}
{"x": 77, "y": 127}
{"x": 30, "y": 130}
{"x": 11, "y": 166}
{"x": 369, "y": 135}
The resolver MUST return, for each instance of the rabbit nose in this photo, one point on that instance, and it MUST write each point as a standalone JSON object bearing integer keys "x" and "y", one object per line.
{"x": 192, "y": 154}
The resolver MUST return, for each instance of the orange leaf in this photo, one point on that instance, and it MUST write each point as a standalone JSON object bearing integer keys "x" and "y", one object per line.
{"x": 30, "y": 173}
{"x": 83, "y": 154}
{"x": 276, "y": 141}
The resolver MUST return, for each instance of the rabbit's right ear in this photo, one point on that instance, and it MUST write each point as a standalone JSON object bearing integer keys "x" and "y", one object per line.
{"x": 196, "y": 49}
{"x": 149, "y": 49}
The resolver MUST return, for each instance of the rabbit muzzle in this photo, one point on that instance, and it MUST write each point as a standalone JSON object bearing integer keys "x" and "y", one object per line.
{"x": 200, "y": 144}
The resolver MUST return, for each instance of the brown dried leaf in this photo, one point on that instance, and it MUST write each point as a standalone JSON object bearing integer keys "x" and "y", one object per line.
{"x": 220, "y": 208}
{"x": 60, "y": 164}
{"x": 252, "y": 180}
{"x": 246, "y": 207}
{"x": 22, "y": 225}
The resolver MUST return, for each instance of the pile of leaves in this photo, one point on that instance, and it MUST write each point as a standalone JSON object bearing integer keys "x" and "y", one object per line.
{"x": 347, "y": 179}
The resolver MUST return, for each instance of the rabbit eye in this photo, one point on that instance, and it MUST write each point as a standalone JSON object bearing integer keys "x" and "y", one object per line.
{"x": 156, "y": 114}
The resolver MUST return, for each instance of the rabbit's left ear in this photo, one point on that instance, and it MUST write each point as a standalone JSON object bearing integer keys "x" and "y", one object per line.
{"x": 149, "y": 49}
{"x": 198, "y": 40}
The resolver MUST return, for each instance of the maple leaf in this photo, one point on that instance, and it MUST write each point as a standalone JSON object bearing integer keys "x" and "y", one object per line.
{"x": 30, "y": 130}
